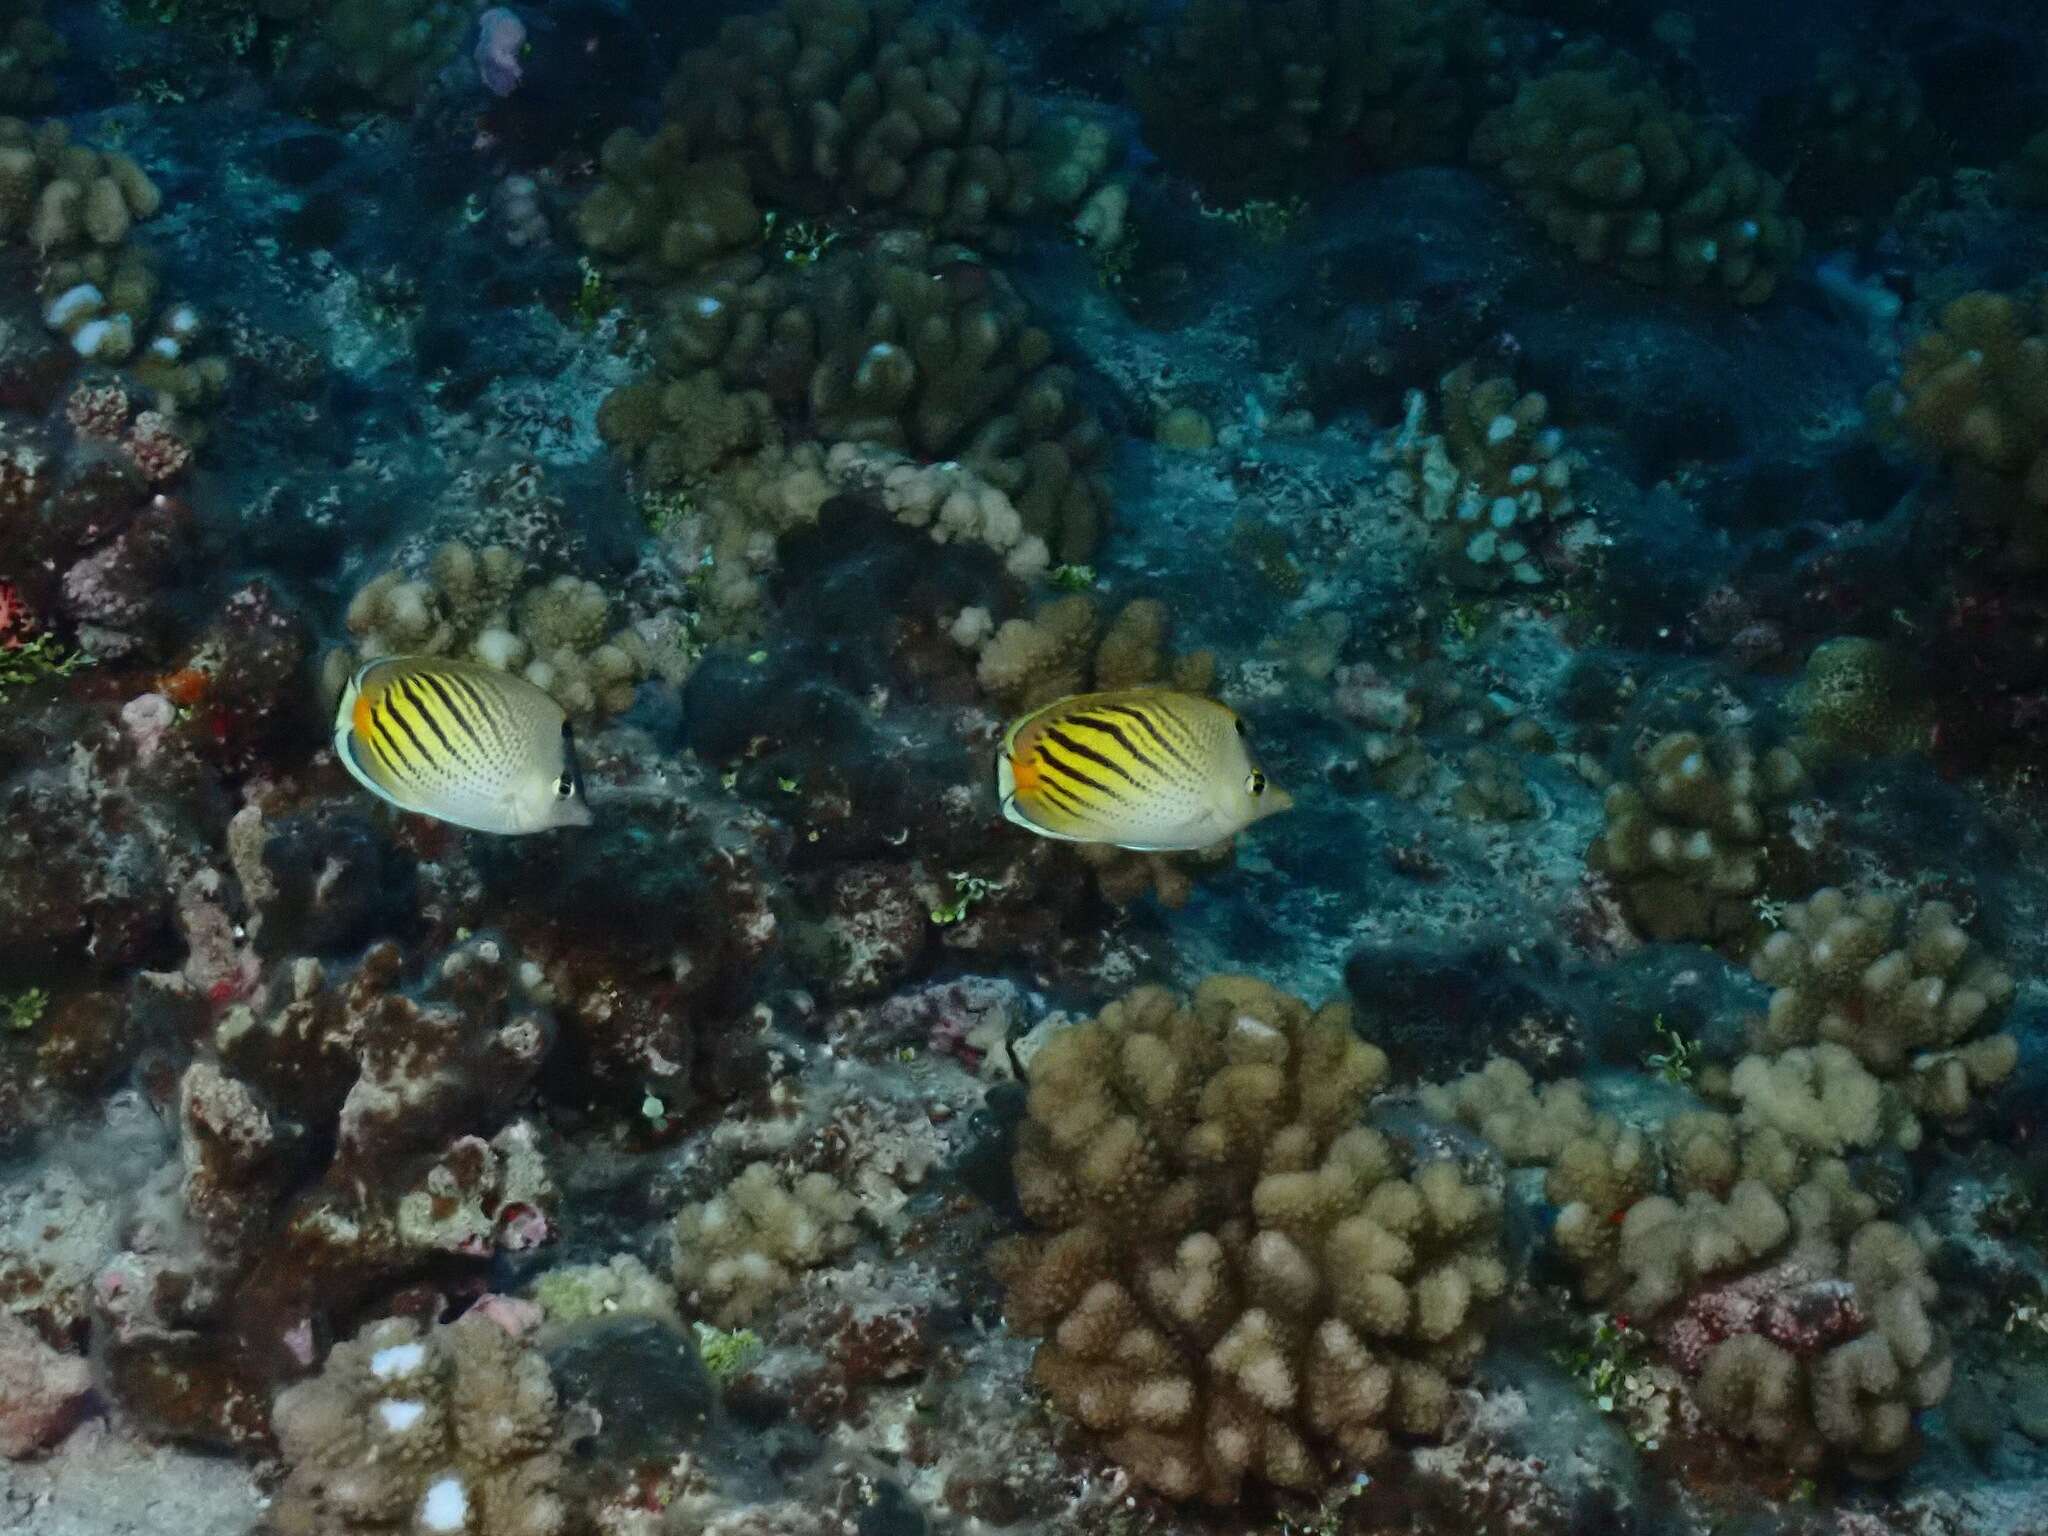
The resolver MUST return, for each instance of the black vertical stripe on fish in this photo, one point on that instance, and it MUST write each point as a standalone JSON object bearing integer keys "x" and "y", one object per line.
{"x": 384, "y": 755}
{"x": 1061, "y": 798}
{"x": 1151, "y": 729}
{"x": 440, "y": 691}
{"x": 432, "y": 717}
{"x": 1081, "y": 749}
{"x": 1116, "y": 734}
{"x": 1070, "y": 771}
{"x": 483, "y": 709}
{"x": 1193, "y": 741}
{"x": 393, "y": 717}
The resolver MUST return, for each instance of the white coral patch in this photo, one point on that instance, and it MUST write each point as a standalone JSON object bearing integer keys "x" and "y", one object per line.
{"x": 446, "y": 1505}
{"x": 397, "y": 1360}
{"x": 399, "y": 1416}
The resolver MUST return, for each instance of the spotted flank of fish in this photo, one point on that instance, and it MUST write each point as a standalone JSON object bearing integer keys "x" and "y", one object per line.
{"x": 461, "y": 742}
{"x": 1143, "y": 768}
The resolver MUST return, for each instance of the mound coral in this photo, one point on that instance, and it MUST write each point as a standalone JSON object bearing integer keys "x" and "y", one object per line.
{"x": 1685, "y": 843}
{"x": 1973, "y": 394}
{"x": 1614, "y": 172}
{"x": 1495, "y": 486}
{"x": 1253, "y": 100}
{"x": 740, "y": 1249}
{"x": 1237, "y": 1280}
{"x": 854, "y": 106}
{"x": 1869, "y": 996}
{"x": 903, "y": 346}
{"x": 488, "y": 605}
{"x": 453, "y": 1428}
{"x": 1859, "y": 697}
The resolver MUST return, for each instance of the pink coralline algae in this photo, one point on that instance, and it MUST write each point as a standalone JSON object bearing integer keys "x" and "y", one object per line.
{"x": 1790, "y": 1304}
{"x": 500, "y": 35}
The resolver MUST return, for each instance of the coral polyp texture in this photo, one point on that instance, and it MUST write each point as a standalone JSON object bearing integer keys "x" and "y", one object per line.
{"x": 1254, "y": 99}
{"x": 1685, "y": 843}
{"x": 454, "y": 1428}
{"x": 1236, "y": 1279}
{"x": 1972, "y": 393}
{"x": 1880, "y": 1016}
{"x": 1494, "y": 486}
{"x": 739, "y": 1250}
{"x": 488, "y": 605}
{"x": 1612, "y": 171}
{"x": 905, "y": 346}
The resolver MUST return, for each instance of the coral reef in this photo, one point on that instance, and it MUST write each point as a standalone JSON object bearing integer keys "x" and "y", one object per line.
{"x": 1495, "y": 486}
{"x": 449, "y": 1428}
{"x": 488, "y": 605}
{"x": 1855, "y": 140}
{"x": 904, "y": 346}
{"x": 28, "y": 46}
{"x": 1970, "y": 395}
{"x": 1866, "y": 993}
{"x": 1858, "y": 698}
{"x": 1253, "y": 100}
{"x": 738, "y": 1250}
{"x": 1613, "y": 172}
{"x": 1685, "y": 843}
{"x": 1238, "y": 1281}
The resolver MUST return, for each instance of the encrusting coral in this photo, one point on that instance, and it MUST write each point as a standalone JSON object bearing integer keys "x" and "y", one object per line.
{"x": 1236, "y": 1279}
{"x": 1879, "y": 1016}
{"x": 740, "y": 1249}
{"x": 1685, "y": 844}
{"x": 1614, "y": 172}
{"x": 454, "y": 1428}
{"x": 1252, "y": 99}
{"x": 1495, "y": 485}
{"x": 902, "y": 345}
{"x": 486, "y": 604}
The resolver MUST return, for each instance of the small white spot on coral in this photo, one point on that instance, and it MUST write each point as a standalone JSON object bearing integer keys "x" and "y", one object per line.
{"x": 446, "y": 1506}
{"x": 398, "y": 1417}
{"x": 397, "y": 1360}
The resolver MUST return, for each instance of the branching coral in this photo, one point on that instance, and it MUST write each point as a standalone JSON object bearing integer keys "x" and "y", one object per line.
{"x": 1237, "y": 1280}
{"x": 1685, "y": 844}
{"x": 901, "y": 346}
{"x": 1495, "y": 486}
{"x": 1614, "y": 172}
{"x": 447, "y": 1429}
{"x": 1858, "y": 139}
{"x": 1879, "y": 1015}
{"x": 1973, "y": 394}
{"x": 740, "y": 1249}
{"x": 486, "y": 604}
{"x": 1257, "y": 99}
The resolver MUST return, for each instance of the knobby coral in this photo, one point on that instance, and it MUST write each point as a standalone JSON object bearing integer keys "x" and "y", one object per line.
{"x": 447, "y": 1429}
{"x": 1613, "y": 171}
{"x": 1236, "y": 1279}
{"x": 740, "y": 1249}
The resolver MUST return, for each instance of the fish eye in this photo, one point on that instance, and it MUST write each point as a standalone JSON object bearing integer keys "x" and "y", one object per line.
{"x": 1240, "y": 726}
{"x": 565, "y": 787}
{"x": 1256, "y": 783}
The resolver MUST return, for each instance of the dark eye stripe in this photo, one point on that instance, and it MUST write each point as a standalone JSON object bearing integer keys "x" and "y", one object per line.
{"x": 1116, "y": 734}
{"x": 1151, "y": 729}
{"x": 1081, "y": 749}
{"x": 1068, "y": 770}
